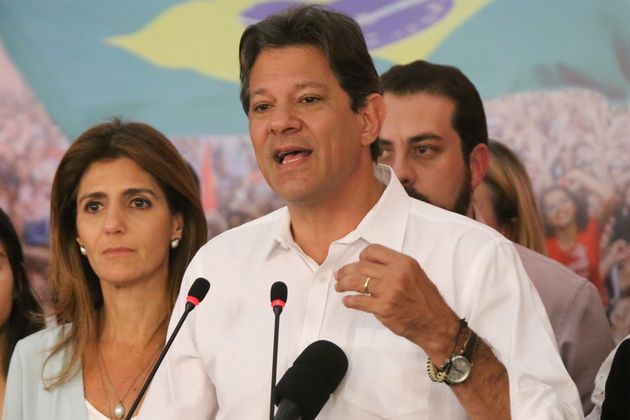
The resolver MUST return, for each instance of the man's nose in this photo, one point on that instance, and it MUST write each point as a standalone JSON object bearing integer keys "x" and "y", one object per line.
{"x": 404, "y": 170}
{"x": 283, "y": 120}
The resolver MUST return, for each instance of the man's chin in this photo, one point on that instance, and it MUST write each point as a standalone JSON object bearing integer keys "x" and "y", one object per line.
{"x": 460, "y": 206}
{"x": 418, "y": 196}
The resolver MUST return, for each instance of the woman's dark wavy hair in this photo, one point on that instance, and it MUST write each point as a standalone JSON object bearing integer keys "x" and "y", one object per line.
{"x": 581, "y": 208}
{"x": 338, "y": 36}
{"x": 25, "y": 317}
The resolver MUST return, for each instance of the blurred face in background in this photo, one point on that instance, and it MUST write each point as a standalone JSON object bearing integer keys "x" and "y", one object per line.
{"x": 560, "y": 210}
{"x": 125, "y": 223}
{"x": 6, "y": 286}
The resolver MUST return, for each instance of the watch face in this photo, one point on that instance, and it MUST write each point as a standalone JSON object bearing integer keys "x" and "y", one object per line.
{"x": 459, "y": 370}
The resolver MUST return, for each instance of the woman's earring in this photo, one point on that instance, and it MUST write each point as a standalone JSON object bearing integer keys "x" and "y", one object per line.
{"x": 174, "y": 243}
{"x": 82, "y": 250}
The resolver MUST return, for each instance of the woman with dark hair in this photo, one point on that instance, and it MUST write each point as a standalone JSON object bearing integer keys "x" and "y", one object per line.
{"x": 573, "y": 236}
{"x": 20, "y": 312}
{"x": 126, "y": 219}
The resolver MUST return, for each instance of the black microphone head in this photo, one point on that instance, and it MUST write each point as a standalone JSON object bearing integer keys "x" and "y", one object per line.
{"x": 278, "y": 292}
{"x": 198, "y": 290}
{"x": 315, "y": 375}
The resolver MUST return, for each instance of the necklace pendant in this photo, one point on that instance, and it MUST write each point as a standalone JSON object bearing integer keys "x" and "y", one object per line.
{"x": 119, "y": 410}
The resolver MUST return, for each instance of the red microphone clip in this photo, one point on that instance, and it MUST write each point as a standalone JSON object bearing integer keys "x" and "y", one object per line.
{"x": 278, "y": 302}
{"x": 193, "y": 300}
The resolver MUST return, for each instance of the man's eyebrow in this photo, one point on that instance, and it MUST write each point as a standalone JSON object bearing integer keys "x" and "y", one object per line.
{"x": 311, "y": 84}
{"x": 424, "y": 137}
{"x": 297, "y": 86}
{"x": 414, "y": 139}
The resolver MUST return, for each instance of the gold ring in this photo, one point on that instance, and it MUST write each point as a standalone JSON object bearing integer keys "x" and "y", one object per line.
{"x": 366, "y": 284}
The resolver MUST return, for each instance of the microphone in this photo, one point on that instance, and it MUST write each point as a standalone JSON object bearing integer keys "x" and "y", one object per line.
{"x": 278, "y": 300}
{"x": 196, "y": 293}
{"x": 307, "y": 385}
{"x": 278, "y": 297}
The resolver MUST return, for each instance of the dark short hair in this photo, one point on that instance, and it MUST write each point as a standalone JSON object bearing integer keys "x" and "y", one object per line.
{"x": 26, "y": 314}
{"x": 581, "y": 208}
{"x": 469, "y": 117}
{"x": 338, "y": 36}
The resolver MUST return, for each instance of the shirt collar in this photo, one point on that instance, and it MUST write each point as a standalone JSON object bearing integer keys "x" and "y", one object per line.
{"x": 385, "y": 223}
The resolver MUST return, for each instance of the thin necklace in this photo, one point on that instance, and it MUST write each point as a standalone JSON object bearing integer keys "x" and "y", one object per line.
{"x": 109, "y": 407}
{"x": 119, "y": 410}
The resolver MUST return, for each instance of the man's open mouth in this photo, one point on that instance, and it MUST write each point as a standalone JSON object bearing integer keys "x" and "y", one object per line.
{"x": 289, "y": 156}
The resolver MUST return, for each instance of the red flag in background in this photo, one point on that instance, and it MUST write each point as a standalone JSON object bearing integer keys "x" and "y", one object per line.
{"x": 208, "y": 197}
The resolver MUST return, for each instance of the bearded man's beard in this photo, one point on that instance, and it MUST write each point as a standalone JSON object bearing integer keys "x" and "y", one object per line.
{"x": 462, "y": 202}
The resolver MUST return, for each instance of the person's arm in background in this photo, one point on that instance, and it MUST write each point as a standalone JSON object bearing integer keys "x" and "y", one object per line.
{"x": 594, "y": 186}
{"x": 585, "y": 340}
{"x": 618, "y": 251}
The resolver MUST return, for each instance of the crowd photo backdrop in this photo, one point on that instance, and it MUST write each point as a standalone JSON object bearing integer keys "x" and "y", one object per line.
{"x": 555, "y": 78}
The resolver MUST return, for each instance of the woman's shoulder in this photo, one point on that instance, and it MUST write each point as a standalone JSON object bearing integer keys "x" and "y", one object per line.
{"x": 33, "y": 353}
{"x": 42, "y": 340}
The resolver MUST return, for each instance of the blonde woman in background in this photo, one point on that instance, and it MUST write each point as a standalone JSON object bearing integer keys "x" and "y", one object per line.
{"x": 506, "y": 200}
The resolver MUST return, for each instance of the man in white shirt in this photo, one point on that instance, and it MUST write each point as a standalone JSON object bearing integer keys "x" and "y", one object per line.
{"x": 435, "y": 138}
{"x": 385, "y": 277}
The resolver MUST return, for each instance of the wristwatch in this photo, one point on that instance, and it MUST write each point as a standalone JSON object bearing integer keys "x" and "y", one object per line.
{"x": 456, "y": 369}
{"x": 459, "y": 365}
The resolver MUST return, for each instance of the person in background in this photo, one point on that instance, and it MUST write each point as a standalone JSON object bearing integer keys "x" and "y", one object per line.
{"x": 505, "y": 199}
{"x": 619, "y": 220}
{"x": 126, "y": 219}
{"x": 20, "y": 312}
{"x": 574, "y": 235}
{"x": 610, "y": 396}
{"x": 435, "y": 138}
{"x": 615, "y": 253}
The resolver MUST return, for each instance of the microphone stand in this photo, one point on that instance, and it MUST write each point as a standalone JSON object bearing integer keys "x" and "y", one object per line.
{"x": 274, "y": 363}
{"x": 189, "y": 307}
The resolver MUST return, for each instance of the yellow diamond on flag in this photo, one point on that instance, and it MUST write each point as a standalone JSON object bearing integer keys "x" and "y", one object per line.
{"x": 201, "y": 36}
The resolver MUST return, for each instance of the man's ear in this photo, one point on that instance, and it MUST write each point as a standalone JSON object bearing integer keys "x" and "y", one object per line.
{"x": 373, "y": 114}
{"x": 479, "y": 162}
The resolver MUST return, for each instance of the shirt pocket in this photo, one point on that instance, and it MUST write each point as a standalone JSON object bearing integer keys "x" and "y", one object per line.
{"x": 386, "y": 374}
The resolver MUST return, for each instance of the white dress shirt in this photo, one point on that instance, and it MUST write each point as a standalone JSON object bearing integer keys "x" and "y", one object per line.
{"x": 219, "y": 367}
